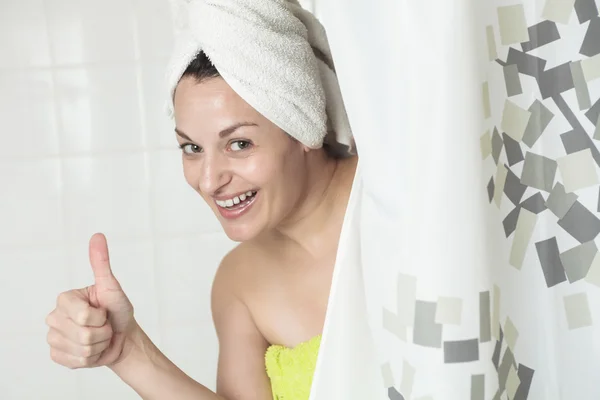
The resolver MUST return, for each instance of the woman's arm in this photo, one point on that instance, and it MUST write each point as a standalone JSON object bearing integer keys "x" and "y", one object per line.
{"x": 241, "y": 371}
{"x": 153, "y": 376}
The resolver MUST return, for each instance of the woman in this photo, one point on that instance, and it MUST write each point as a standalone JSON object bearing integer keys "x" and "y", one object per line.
{"x": 285, "y": 203}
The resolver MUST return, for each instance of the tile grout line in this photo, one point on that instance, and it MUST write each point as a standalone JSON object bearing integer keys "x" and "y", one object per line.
{"x": 70, "y": 66}
{"x": 121, "y": 240}
{"x": 93, "y": 153}
{"x": 148, "y": 173}
{"x": 58, "y": 129}
{"x": 67, "y": 253}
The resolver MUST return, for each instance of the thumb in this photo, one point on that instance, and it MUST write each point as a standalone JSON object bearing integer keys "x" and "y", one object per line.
{"x": 100, "y": 262}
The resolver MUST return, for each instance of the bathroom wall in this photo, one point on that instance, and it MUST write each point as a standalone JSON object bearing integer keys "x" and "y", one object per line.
{"x": 85, "y": 147}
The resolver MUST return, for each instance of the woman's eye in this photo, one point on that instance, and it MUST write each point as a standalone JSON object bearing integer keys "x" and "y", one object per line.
{"x": 239, "y": 145}
{"x": 190, "y": 148}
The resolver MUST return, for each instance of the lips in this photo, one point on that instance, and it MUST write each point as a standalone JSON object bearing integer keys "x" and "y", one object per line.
{"x": 236, "y": 210}
{"x": 235, "y": 200}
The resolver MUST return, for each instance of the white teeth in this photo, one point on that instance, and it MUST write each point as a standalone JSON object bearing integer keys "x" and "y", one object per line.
{"x": 235, "y": 200}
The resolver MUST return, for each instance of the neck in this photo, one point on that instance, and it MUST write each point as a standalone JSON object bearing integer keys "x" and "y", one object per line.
{"x": 314, "y": 215}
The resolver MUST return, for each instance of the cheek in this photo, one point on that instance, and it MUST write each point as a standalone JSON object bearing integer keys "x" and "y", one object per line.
{"x": 257, "y": 171}
{"x": 281, "y": 177}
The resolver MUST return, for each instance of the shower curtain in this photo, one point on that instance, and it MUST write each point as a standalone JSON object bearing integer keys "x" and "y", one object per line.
{"x": 468, "y": 265}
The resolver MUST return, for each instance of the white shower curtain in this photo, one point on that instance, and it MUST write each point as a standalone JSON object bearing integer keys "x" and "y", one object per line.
{"x": 468, "y": 266}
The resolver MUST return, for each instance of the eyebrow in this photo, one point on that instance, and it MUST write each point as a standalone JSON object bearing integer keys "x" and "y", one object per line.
{"x": 224, "y": 133}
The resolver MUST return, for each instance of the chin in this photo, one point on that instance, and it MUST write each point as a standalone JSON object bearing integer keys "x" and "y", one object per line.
{"x": 240, "y": 233}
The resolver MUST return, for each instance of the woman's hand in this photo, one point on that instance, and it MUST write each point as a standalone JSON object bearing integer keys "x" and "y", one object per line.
{"x": 89, "y": 327}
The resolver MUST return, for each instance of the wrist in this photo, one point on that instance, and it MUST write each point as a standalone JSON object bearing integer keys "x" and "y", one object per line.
{"x": 137, "y": 348}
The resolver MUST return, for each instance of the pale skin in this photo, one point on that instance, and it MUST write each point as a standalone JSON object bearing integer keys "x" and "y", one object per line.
{"x": 271, "y": 289}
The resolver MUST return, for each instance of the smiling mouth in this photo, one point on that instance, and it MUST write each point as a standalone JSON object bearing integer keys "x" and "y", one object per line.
{"x": 236, "y": 202}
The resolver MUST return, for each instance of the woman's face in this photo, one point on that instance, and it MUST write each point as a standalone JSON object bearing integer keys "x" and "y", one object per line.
{"x": 250, "y": 172}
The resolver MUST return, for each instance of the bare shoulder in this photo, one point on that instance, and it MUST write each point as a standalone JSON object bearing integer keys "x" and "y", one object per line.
{"x": 241, "y": 372}
{"x": 236, "y": 262}
{"x": 230, "y": 273}
{"x": 236, "y": 271}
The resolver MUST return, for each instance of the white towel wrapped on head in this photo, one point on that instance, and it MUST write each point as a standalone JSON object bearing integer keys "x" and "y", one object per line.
{"x": 274, "y": 55}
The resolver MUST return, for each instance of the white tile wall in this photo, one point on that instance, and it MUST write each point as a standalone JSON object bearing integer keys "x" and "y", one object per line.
{"x": 98, "y": 108}
{"x": 154, "y": 31}
{"x": 85, "y": 146}
{"x": 23, "y": 34}
{"x": 88, "y": 31}
{"x": 27, "y": 113}
{"x": 26, "y": 371}
{"x": 30, "y": 280}
{"x": 151, "y": 76}
{"x": 31, "y": 209}
{"x": 108, "y": 193}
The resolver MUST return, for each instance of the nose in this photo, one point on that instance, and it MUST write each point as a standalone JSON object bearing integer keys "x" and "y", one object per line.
{"x": 214, "y": 174}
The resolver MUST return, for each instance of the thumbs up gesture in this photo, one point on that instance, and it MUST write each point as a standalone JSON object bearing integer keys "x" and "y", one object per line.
{"x": 89, "y": 326}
